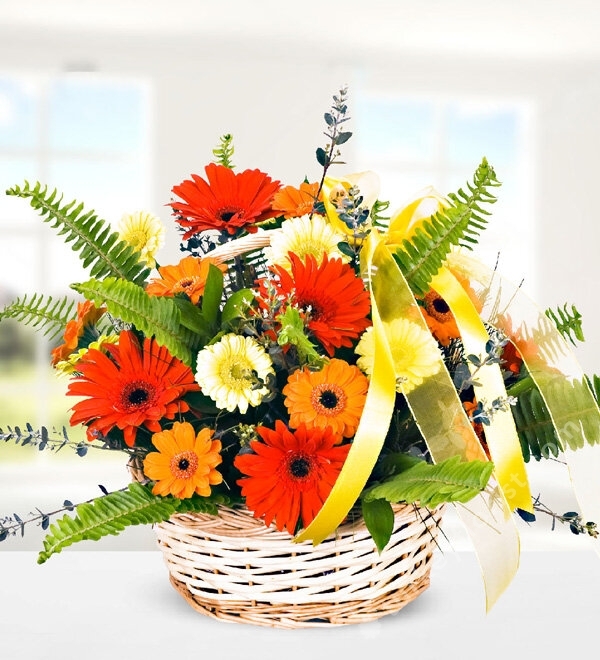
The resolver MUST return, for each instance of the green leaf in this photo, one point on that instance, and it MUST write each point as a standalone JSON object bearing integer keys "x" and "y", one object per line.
{"x": 100, "y": 249}
{"x": 192, "y": 318}
{"x": 109, "y": 514}
{"x": 343, "y": 137}
{"x": 321, "y": 156}
{"x": 157, "y": 316}
{"x": 379, "y": 519}
{"x": 41, "y": 312}
{"x": 431, "y": 485}
{"x": 292, "y": 332}
{"x": 236, "y": 306}
{"x": 213, "y": 292}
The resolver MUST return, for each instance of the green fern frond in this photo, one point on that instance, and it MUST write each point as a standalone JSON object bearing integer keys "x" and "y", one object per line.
{"x": 106, "y": 515}
{"x": 378, "y": 215}
{"x": 99, "y": 248}
{"x": 594, "y": 385}
{"x": 224, "y": 152}
{"x": 458, "y": 225}
{"x": 575, "y": 415}
{"x": 42, "y": 312}
{"x": 431, "y": 485}
{"x": 567, "y": 322}
{"x": 153, "y": 315}
{"x": 534, "y": 426}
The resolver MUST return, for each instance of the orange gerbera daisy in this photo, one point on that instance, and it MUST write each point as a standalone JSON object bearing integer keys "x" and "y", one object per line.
{"x": 226, "y": 202}
{"x": 437, "y": 314}
{"x": 332, "y": 397}
{"x": 296, "y": 202}
{"x": 439, "y": 318}
{"x": 185, "y": 462}
{"x": 290, "y": 474}
{"x": 188, "y": 276}
{"x": 331, "y": 297}
{"x": 87, "y": 315}
{"x": 134, "y": 386}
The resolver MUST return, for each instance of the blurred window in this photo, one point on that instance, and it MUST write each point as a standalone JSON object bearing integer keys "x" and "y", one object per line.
{"x": 417, "y": 141}
{"x": 88, "y": 136}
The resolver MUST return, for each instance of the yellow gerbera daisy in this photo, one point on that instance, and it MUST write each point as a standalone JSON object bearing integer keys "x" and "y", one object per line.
{"x": 304, "y": 236}
{"x": 185, "y": 462}
{"x": 69, "y": 365}
{"x": 332, "y": 397}
{"x": 414, "y": 352}
{"x": 143, "y": 231}
{"x": 233, "y": 372}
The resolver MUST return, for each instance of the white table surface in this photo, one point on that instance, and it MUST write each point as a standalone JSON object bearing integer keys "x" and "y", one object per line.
{"x": 88, "y": 605}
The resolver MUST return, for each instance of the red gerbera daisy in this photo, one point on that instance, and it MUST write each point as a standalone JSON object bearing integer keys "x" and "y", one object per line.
{"x": 138, "y": 386}
{"x": 226, "y": 202}
{"x": 330, "y": 295}
{"x": 290, "y": 474}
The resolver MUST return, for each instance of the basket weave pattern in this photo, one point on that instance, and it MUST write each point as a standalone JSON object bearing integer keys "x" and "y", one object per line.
{"x": 232, "y": 567}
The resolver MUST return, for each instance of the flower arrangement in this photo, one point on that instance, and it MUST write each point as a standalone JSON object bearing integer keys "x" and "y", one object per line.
{"x": 311, "y": 358}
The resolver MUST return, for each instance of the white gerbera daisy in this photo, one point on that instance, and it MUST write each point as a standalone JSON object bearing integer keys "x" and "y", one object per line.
{"x": 233, "y": 372}
{"x": 304, "y": 236}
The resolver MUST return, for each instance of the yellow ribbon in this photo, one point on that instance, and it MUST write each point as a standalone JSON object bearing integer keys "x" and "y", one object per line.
{"x": 501, "y": 434}
{"x": 369, "y": 437}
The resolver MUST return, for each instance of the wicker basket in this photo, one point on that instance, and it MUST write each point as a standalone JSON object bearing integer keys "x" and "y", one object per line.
{"x": 232, "y": 567}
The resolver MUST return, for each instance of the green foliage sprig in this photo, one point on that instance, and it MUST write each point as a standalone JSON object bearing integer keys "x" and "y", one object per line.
{"x": 335, "y": 118}
{"x": 110, "y": 514}
{"x": 54, "y": 440}
{"x": 429, "y": 484}
{"x": 423, "y": 483}
{"x": 223, "y": 153}
{"x": 153, "y": 315}
{"x": 457, "y": 225}
{"x": 99, "y": 248}
{"x": 568, "y": 323}
{"x": 44, "y": 313}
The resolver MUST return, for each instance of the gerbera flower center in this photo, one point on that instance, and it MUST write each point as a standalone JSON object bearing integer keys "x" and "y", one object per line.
{"x": 437, "y": 307}
{"x": 184, "y": 465}
{"x": 137, "y": 394}
{"x": 186, "y": 282}
{"x": 328, "y": 399}
{"x": 238, "y": 374}
{"x": 299, "y": 466}
{"x": 227, "y": 212}
{"x": 312, "y": 309}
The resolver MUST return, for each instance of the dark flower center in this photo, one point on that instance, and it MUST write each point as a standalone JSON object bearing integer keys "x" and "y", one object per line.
{"x": 328, "y": 399}
{"x": 440, "y": 306}
{"x": 136, "y": 395}
{"x": 313, "y": 310}
{"x": 228, "y": 212}
{"x": 300, "y": 467}
{"x": 184, "y": 465}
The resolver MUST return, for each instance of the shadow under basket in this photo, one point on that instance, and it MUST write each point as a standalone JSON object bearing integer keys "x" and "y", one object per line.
{"x": 234, "y": 568}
